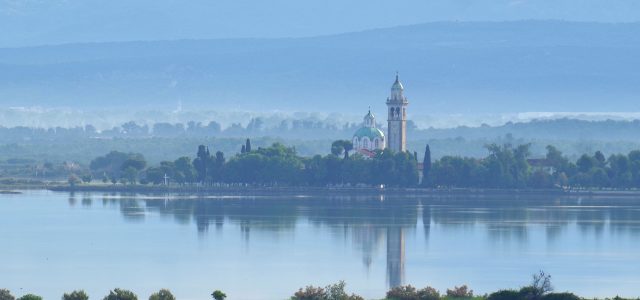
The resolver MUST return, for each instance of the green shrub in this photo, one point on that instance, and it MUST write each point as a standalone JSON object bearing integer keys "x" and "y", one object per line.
{"x": 405, "y": 292}
{"x": 309, "y": 293}
{"x": 119, "y": 294}
{"x": 76, "y": 295}
{"x": 428, "y": 293}
{"x": 30, "y": 297}
{"x": 162, "y": 294}
{"x": 460, "y": 292}
{"x": 330, "y": 292}
{"x": 560, "y": 296}
{"x": 218, "y": 295}
{"x": 505, "y": 295}
{"x": 6, "y": 295}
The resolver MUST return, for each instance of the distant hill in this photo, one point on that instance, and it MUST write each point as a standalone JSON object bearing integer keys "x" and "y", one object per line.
{"x": 447, "y": 67}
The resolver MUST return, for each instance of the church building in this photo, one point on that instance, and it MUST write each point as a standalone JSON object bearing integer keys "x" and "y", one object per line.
{"x": 369, "y": 138}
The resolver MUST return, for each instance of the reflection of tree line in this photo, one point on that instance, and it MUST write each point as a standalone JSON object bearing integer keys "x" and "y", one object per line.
{"x": 370, "y": 220}
{"x": 362, "y": 212}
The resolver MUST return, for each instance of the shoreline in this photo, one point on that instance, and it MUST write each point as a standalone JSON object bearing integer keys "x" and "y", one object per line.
{"x": 312, "y": 190}
{"x": 359, "y": 191}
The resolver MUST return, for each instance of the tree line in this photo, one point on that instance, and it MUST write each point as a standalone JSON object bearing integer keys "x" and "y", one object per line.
{"x": 505, "y": 166}
{"x": 276, "y": 165}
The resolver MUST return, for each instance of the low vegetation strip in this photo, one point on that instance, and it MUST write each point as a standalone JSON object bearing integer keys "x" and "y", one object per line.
{"x": 540, "y": 288}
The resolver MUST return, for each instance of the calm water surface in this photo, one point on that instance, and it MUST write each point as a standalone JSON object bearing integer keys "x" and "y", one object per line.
{"x": 267, "y": 247}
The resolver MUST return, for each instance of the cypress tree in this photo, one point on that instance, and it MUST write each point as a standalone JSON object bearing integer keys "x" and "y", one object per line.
{"x": 244, "y": 149}
{"x": 200, "y": 163}
{"x": 426, "y": 163}
{"x": 247, "y": 147}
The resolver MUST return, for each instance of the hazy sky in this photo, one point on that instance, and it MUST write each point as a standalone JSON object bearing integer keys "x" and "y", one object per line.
{"x": 38, "y": 22}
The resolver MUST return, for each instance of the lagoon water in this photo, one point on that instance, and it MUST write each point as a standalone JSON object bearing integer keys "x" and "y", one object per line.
{"x": 268, "y": 247}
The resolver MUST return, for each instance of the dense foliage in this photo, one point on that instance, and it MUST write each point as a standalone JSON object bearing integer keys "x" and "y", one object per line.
{"x": 162, "y": 294}
{"x": 505, "y": 166}
{"x": 30, "y": 297}
{"x": 330, "y": 292}
{"x": 6, "y": 295}
{"x": 278, "y": 165}
{"x": 76, "y": 295}
{"x": 510, "y": 167}
{"x": 120, "y": 294}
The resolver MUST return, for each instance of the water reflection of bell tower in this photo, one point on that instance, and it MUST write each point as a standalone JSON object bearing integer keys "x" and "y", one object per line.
{"x": 395, "y": 256}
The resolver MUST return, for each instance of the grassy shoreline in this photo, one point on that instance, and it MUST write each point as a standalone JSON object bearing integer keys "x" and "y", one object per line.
{"x": 307, "y": 190}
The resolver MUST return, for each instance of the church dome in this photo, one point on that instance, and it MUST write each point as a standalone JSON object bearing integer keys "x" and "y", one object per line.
{"x": 369, "y": 120}
{"x": 369, "y": 132}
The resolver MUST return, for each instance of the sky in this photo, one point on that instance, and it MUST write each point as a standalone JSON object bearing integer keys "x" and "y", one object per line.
{"x": 43, "y": 22}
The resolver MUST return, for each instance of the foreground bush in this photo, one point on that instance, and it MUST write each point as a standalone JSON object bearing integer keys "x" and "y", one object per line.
{"x": 330, "y": 292}
{"x": 162, "y": 294}
{"x": 540, "y": 286}
{"x": 30, "y": 297}
{"x": 6, "y": 295}
{"x": 218, "y": 295}
{"x": 408, "y": 292}
{"x": 428, "y": 293}
{"x": 560, "y": 296}
{"x": 505, "y": 295}
{"x": 119, "y": 294}
{"x": 76, "y": 295}
{"x": 460, "y": 292}
{"x": 404, "y": 292}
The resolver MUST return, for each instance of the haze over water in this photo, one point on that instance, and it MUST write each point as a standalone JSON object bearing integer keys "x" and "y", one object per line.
{"x": 268, "y": 247}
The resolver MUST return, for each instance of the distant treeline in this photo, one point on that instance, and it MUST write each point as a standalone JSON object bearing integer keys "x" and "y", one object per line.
{"x": 510, "y": 167}
{"x": 506, "y": 166}
{"x": 24, "y": 151}
{"x": 313, "y": 128}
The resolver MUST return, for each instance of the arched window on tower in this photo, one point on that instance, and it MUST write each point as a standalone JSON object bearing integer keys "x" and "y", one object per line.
{"x": 365, "y": 143}
{"x": 377, "y": 142}
{"x": 355, "y": 143}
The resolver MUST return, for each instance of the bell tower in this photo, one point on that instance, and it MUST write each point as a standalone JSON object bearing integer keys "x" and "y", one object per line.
{"x": 397, "y": 118}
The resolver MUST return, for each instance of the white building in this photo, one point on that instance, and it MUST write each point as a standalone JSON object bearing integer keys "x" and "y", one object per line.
{"x": 368, "y": 138}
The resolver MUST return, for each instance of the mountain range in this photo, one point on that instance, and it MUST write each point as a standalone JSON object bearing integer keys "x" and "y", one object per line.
{"x": 446, "y": 68}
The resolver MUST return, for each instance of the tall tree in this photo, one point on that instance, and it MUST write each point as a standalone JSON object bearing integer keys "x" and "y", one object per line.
{"x": 600, "y": 159}
{"x": 200, "y": 163}
{"x": 426, "y": 163}
{"x": 247, "y": 146}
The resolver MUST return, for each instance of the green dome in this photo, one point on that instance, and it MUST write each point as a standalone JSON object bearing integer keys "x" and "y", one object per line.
{"x": 370, "y": 132}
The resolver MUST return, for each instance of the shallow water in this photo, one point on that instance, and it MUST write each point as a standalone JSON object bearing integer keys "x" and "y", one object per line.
{"x": 268, "y": 247}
